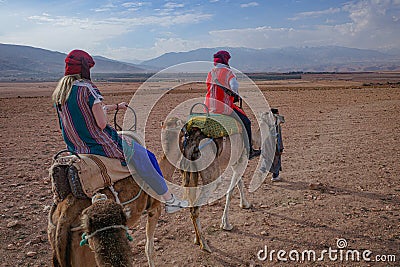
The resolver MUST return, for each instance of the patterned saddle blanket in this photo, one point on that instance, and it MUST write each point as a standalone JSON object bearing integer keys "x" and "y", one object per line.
{"x": 214, "y": 125}
{"x": 84, "y": 175}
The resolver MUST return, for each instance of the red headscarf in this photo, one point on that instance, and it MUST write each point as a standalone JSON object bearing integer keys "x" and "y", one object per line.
{"x": 78, "y": 62}
{"x": 222, "y": 56}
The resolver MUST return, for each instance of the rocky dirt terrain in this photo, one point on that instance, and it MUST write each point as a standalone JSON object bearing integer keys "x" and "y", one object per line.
{"x": 340, "y": 178}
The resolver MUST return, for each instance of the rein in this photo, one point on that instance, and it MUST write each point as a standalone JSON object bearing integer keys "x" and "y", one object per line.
{"x": 119, "y": 128}
{"x": 135, "y": 197}
{"x": 206, "y": 143}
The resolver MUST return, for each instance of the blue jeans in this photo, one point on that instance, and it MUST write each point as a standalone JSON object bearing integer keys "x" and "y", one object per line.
{"x": 247, "y": 126}
{"x": 146, "y": 165}
{"x": 275, "y": 166}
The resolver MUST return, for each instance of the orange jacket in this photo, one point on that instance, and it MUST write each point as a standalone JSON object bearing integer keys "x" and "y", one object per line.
{"x": 217, "y": 100}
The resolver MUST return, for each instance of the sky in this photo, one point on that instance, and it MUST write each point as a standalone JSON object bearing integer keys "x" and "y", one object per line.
{"x": 139, "y": 30}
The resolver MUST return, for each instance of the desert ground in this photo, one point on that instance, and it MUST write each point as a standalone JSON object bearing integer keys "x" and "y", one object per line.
{"x": 340, "y": 177}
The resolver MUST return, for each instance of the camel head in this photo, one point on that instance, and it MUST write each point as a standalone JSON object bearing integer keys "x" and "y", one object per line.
{"x": 171, "y": 134}
{"x": 104, "y": 223}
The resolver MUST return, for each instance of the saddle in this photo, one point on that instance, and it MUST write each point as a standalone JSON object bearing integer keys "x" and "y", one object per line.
{"x": 84, "y": 174}
{"x": 214, "y": 125}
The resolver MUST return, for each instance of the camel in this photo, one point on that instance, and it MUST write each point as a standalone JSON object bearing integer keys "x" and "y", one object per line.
{"x": 104, "y": 224}
{"x": 64, "y": 220}
{"x": 174, "y": 136}
{"x": 64, "y": 230}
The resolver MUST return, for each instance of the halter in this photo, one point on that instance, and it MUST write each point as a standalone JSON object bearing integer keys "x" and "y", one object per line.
{"x": 85, "y": 236}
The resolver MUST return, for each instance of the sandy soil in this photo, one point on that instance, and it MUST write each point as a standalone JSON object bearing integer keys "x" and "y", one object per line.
{"x": 340, "y": 168}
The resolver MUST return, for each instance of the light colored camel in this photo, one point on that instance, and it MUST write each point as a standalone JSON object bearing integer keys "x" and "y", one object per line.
{"x": 173, "y": 138}
{"x": 64, "y": 230}
{"x": 104, "y": 224}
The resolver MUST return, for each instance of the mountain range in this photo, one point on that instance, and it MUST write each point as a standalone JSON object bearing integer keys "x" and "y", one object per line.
{"x": 29, "y": 63}
{"x": 292, "y": 59}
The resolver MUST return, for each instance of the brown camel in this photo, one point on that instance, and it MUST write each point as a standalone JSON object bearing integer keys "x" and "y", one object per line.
{"x": 173, "y": 142}
{"x": 64, "y": 230}
{"x": 104, "y": 224}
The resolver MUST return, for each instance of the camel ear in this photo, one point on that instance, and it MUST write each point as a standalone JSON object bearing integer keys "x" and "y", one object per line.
{"x": 84, "y": 220}
{"x": 123, "y": 216}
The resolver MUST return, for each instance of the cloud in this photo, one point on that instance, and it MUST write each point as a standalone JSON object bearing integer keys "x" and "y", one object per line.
{"x": 371, "y": 24}
{"x": 104, "y": 8}
{"x": 159, "y": 47}
{"x": 134, "y": 4}
{"x": 360, "y": 23}
{"x": 251, "y": 4}
{"x": 320, "y": 13}
{"x": 259, "y": 37}
{"x": 127, "y": 23}
{"x": 92, "y": 32}
{"x": 374, "y": 15}
{"x": 164, "y": 45}
{"x": 172, "y": 5}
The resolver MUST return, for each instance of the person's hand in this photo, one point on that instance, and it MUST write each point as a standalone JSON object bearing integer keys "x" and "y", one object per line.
{"x": 122, "y": 105}
{"x": 236, "y": 98}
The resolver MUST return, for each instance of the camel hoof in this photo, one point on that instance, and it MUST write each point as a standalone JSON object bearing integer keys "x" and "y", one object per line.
{"x": 226, "y": 227}
{"x": 246, "y": 205}
{"x": 206, "y": 248}
{"x": 196, "y": 241}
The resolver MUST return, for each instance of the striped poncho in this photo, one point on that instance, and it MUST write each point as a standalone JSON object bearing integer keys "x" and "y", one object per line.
{"x": 79, "y": 128}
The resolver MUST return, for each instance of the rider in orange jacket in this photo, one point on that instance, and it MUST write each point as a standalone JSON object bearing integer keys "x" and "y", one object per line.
{"x": 222, "y": 91}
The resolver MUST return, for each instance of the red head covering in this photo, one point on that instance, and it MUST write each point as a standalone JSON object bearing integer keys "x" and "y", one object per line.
{"x": 222, "y": 57}
{"x": 78, "y": 62}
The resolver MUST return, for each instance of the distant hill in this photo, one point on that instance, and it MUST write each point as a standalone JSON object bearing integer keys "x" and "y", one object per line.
{"x": 291, "y": 59}
{"x": 29, "y": 63}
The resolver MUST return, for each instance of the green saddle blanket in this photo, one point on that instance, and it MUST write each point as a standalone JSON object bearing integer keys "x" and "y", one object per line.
{"x": 214, "y": 125}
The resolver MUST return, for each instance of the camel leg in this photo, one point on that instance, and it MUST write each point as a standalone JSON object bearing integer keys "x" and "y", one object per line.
{"x": 70, "y": 210}
{"x": 236, "y": 180}
{"x": 196, "y": 224}
{"x": 151, "y": 224}
{"x": 190, "y": 181}
{"x": 51, "y": 233}
{"x": 244, "y": 204}
{"x": 191, "y": 196}
{"x": 225, "y": 225}
{"x": 199, "y": 240}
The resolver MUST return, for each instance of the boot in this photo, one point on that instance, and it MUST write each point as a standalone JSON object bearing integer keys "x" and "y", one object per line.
{"x": 254, "y": 153}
